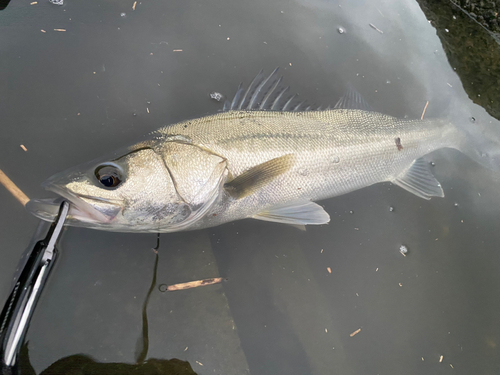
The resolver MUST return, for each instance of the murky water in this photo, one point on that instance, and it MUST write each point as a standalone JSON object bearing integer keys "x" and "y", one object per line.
{"x": 85, "y": 78}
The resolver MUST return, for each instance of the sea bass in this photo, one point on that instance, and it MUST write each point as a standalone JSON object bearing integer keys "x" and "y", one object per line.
{"x": 265, "y": 157}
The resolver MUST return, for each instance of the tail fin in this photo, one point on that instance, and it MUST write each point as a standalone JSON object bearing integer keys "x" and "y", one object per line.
{"x": 479, "y": 137}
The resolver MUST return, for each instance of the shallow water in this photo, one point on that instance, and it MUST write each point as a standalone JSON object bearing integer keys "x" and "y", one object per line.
{"x": 69, "y": 96}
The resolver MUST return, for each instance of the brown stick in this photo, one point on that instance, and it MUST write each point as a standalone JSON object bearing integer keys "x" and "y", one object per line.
{"x": 193, "y": 284}
{"x": 423, "y": 113}
{"x": 13, "y": 189}
{"x": 355, "y": 332}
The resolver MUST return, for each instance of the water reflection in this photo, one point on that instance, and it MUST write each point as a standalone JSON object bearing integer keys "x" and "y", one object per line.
{"x": 80, "y": 364}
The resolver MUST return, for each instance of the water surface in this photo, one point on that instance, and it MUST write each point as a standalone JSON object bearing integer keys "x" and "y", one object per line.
{"x": 116, "y": 73}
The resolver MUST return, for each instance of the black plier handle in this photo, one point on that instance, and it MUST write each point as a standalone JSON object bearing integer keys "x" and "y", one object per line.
{"x": 20, "y": 305}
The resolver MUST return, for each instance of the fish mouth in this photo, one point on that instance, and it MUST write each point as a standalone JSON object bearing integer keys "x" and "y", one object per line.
{"x": 81, "y": 212}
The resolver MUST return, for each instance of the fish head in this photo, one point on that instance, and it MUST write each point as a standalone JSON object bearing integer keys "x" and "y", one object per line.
{"x": 154, "y": 186}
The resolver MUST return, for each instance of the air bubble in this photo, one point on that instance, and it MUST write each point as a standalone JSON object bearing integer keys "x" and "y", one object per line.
{"x": 341, "y": 30}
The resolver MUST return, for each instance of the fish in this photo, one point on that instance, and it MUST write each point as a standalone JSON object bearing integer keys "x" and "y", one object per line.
{"x": 265, "y": 156}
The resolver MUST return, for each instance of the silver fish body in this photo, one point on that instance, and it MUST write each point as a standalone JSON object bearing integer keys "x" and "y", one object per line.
{"x": 335, "y": 152}
{"x": 259, "y": 159}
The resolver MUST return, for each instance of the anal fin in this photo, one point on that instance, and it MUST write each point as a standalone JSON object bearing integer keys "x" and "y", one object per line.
{"x": 296, "y": 213}
{"x": 419, "y": 180}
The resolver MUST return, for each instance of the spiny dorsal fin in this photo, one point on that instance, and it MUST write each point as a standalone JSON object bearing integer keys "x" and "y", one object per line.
{"x": 258, "y": 176}
{"x": 268, "y": 93}
{"x": 352, "y": 100}
{"x": 295, "y": 213}
{"x": 419, "y": 180}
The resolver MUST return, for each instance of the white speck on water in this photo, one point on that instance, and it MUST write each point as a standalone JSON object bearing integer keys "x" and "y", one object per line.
{"x": 216, "y": 96}
{"x": 351, "y": 212}
{"x": 341, "y": 30}
{"x": 391, "y": 209}
{"x": 57, "y": 2}
{"x": 123, "y": 14}
{"x": 403, "y": 250}
{"x": 455, "y": 204}
{"x": 447, "y": 30}
{"x": 387, "y": 82}
{"x": 432, "y": 163}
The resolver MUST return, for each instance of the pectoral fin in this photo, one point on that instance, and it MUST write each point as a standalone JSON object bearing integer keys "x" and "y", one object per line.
{"x": 419, "y": 180}
{"x": 296, "y": 213}
{"x": 259, "y": 176}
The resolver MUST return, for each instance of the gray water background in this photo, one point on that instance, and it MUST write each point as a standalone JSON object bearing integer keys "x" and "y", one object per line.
{"x": 74, "y": 95}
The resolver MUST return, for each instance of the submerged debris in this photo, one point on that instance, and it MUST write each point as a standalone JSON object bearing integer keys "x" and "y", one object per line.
{"x": 425, "y": 108}
{"x": 355, "y": 332}
{"x": 376, "y": 28}
{"x": 216, "y": 96}
{"x": 403, "y": 250}
{"x": 190, "y": 284}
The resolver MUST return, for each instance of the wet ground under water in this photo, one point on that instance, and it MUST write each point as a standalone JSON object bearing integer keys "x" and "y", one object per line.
{"x": 85, "y": 78}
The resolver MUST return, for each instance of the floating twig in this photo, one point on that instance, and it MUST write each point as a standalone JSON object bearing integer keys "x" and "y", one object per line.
{"x": 376, "y": 28}
{"x": 425, "y": 108}
{"x": 355, "y": 332}
{"x": 191, "y": 284}
{"x": 13, "y": 189}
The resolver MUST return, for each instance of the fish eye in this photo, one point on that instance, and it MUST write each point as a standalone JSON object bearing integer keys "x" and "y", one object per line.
{"x": 108, "y": 176}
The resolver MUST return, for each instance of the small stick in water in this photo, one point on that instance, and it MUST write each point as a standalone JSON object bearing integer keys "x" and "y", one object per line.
{"x": 13, "y": 189}
{"x": 423, "y": 113}
{"x": 190, "y": 284}
{"x": 376, "y": 28}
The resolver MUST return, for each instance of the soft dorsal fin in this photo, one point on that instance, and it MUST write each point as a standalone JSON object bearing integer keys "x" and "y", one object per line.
{"x": 258, "y": 176}
{"x": 419, "y": 180}
{"x": 352, "y": 100}
{"x": 295, "y": 213}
